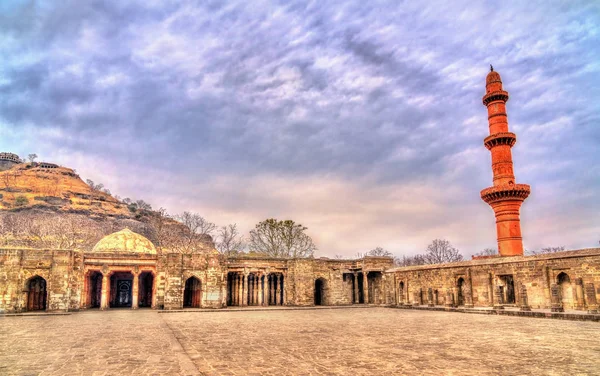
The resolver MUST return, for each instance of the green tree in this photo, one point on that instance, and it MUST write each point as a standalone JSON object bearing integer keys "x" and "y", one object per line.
{"x": 21, "y": 201}
{"x": 281, "y": 239}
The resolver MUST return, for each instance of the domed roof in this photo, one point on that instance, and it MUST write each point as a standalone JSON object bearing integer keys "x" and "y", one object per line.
{"x": 492, "y": 77}
{"x": 125, "y": 241}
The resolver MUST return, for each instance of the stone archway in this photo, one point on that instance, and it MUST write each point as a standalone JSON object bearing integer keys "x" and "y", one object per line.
{"x": 36, "y": 294}
{"x": 320, "y": 291}
{"x": 401, "y": 293}
{"x": 121, "y": 290}
{"x": 145, "y": 289}
{"x": 192, "y": 294}
{"x": 566, "y": 290}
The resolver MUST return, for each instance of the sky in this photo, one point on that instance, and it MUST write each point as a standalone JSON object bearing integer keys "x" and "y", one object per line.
{"x": 361, "y": 120}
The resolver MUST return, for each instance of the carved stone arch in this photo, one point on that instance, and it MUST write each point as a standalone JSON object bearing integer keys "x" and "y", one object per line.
{"x": 36, "y": 293}
{"x": 192, "y": 291}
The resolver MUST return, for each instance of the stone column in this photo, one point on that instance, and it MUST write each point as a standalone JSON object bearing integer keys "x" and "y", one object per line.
{"x": 260, "y": 290}
{"x": 245, "y": 290}
{"x": 498, "y": 299}
{"x": 366, "y": 287}
{"x": 469, "y": 292}
{"x": 355, "y": 284}
{"x": 590, "y": 294}
{"x": 556, "y": 299}
{"x": 524, "y": 301}
{"x": 449, "y": 303}
{"x": 267, "y": 290}
{"x": 490, "y": 290}
{"x": 430, "y": 297}
{"x": 135, "y": 291}
{"x": 240, "y": 289}
{"x": 580, "y": 304}
{"x": 105, "y": 293}
{"x": 278, "y": 291}
{"x": 256, "y": 289}
{"x": 273, "y": 286}
{"x": 283, "y": 289}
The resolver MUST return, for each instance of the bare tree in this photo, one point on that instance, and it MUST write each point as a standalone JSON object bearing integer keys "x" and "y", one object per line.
{"x": 546, "y": 250}
{"x": 487, "y": 252}
{"x": 281, "y": 239}
{"x": 441, "y": 251}
{"x": 197, "y": 233}
{"x": 410, "y": 260}
{"x": 379, "y": 251}
{"x": 143, "y": 205}
{"x": 229, "y": 241}
{"x": 32, "y": 157}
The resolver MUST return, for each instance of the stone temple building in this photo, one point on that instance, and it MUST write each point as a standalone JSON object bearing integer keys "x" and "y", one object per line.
{"x": 125, "y": 270}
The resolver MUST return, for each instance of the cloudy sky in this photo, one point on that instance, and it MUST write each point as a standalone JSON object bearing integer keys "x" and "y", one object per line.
{"x": 362, "y": 120}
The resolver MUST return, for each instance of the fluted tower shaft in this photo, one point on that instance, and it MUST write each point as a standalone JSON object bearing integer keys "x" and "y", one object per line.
{"x": 505, "y": 196}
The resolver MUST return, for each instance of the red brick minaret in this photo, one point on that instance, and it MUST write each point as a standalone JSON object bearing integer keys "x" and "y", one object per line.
{"x": 505, "y": 197}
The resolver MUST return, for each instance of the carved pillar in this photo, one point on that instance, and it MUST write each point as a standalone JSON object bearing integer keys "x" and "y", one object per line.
{"x": 449, "y": 303}
{"x": 490, "y": 290}
{"x": 498, "y": 299}
{"x": 556, "y": 300}
{"x": 283, "y": 289}
{"x": 366, "y": 287}
{"x": 524, "y": 301}
{"x": 105, "y": 293}
{"x": 257, "y": 293}
{"x": 240, "y": 289}
{"x": 277, "y": 290}
{"x": 267, "y": 289}
{"x": 135, "y": 291}
{"x": 245, "y": 290}
{"x": 469, "y": 291}
{"x": 580, "y": 303}
{"x": 355, "y": 284}
{"x": 590, "y": 294}
{"x": 272, "y": 286}
{"x": 430, "y": 297}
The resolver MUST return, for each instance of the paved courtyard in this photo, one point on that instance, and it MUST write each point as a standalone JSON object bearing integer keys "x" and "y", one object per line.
{"x": 329, "y": 342}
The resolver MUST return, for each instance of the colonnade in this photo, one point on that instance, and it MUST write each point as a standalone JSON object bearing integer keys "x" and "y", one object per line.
{"x": 255, "y": 289}
{"x": 107, "y": 293}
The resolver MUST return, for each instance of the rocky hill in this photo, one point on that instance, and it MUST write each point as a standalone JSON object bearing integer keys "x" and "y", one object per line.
{"x": 60, "y": 189}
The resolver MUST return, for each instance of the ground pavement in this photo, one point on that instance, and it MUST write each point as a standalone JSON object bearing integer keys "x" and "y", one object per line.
{"x": 361, "y": 341}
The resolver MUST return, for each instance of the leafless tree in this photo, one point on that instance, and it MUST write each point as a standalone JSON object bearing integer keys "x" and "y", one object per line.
{"x": 229, "y": 241}
{"x": 441, "y": 251}
{"x": 196, "y": 235}
{"x": 546, "y": 250}
{"x": 281, "y": 239}
{"x": 487, "y": 252}
{"x": 32, "y": 157}
{"x": 379, "y": 251}
{"x": 410, "y": 260}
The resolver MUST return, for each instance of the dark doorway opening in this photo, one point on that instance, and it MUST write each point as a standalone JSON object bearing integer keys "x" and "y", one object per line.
{"x": 508, "y": 289}
{"x": 460, "y": 298}
{"x": 36, "y": 294}
{"x": 192, "y": 295}
{"x": 145, "y": 290}
{"x": 94, "y": 289}
{"x": 361, "y": 295}
{"x": 320, "y": 292}
{"x": 121, "y": 284}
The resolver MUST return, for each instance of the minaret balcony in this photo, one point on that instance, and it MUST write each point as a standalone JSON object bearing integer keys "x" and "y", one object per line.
{"x": 500, "y": 95}
{"x": 502, "y": 138}
{"x": 508, "y": 192}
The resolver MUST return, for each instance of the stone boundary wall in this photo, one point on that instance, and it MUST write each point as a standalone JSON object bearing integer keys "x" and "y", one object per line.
{"x": 562, "y": 280}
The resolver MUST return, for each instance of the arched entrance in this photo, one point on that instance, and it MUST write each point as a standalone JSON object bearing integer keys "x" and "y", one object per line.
{"x": 566, "y": 290}
{"x": 121, "y": 284}
{"x": 36, "y": 294}
{"x": 146, "y": 283}
{"x": 401, "y": 293}
{"x": 192, "y": 294}
{"x": 94, "y": 289}
{"x": 320, "y": 291}
{"x": 460, "y": 284}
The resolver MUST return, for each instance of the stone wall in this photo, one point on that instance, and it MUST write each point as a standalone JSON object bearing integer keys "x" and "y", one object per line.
{"x": 61, "y": 270}
{"x": 500, "y": 281}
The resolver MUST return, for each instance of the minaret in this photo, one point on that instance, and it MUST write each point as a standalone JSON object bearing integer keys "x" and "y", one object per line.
{"x": 505, "y": 197}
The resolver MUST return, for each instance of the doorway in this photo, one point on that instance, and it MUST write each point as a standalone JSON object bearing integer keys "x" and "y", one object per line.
{"x": 36, "y": 294}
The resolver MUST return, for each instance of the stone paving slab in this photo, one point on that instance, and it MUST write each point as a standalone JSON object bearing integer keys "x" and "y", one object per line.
{"x": 371, "y": 341}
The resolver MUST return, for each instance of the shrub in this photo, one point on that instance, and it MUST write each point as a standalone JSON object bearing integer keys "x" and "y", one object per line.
{"x": 21, "y": 201}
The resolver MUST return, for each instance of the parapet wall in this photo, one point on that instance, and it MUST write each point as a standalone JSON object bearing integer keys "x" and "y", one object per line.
{"x": 569, "y": 279}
